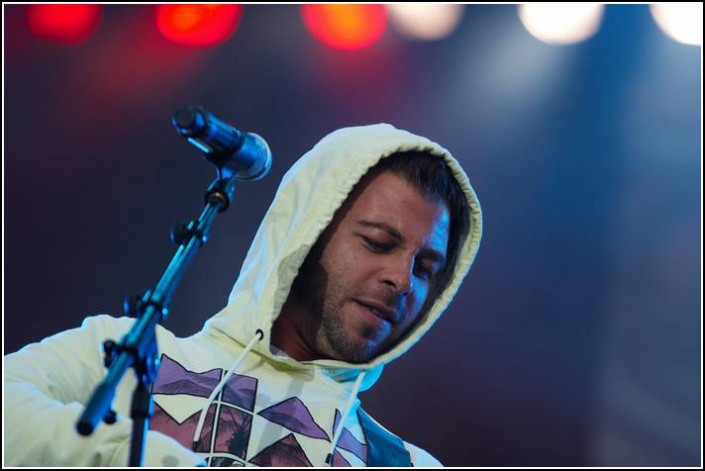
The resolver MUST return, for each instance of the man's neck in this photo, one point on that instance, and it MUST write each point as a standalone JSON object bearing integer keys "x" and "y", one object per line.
{"x": 288, "y": 334}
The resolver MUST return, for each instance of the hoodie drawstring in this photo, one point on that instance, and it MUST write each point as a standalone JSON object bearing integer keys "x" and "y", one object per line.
{"x": 344, "y": 416}
{"x": 259, "y": 335}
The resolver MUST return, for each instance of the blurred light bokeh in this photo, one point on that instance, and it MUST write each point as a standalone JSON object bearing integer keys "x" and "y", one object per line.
{"x": 561, "y": 23}
{"x": 681, "y": 21}
{"x": 425, "y": 21}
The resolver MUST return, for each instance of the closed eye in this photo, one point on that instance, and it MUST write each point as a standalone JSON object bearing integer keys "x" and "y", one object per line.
{"x": 376, "y": 246}
{"x": 424, "y": 272}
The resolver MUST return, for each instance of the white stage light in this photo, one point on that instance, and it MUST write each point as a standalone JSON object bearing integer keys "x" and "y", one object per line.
{"x": 426, "y": 21}
{"x": 681, "y": 21}
{"x": 561, "y": 23}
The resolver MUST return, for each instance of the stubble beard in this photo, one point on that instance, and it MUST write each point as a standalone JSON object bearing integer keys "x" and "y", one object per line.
{"x": 332, "y": 339}
{"x": 325, "y": 298}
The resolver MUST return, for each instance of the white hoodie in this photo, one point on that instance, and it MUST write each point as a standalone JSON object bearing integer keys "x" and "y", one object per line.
{"x": 243, "y": 403}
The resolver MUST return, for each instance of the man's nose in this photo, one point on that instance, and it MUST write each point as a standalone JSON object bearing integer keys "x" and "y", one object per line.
{"x": 399, "y": 275}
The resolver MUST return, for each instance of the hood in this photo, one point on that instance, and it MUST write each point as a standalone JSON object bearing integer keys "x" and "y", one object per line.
{"x": 305, "y": 203}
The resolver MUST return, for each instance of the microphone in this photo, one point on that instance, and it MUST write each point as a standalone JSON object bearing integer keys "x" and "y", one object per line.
{"x": 246, "y": 156}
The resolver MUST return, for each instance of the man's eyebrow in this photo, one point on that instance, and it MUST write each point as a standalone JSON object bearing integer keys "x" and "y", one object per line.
{"x": 395, "y": 234}
{"x": 432, "y": 254}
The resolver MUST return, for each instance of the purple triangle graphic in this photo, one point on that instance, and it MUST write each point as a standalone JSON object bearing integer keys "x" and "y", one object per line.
{"x": 282, "y": 454}
{"x": 295, "y": 416}
{"x": 240, "y": 391}
{"x": 175, "y": 379}
{"x": 349, "y": 442}
{"x": 339, "y": 461}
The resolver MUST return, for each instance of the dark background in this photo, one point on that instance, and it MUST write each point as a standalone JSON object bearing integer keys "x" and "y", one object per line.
{"x": 576, "y": 340}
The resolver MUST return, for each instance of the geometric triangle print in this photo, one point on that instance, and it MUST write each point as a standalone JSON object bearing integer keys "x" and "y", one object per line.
{"x": 286, "y": 453}
{"x": 181, "y": 432}
{"x": 348, "y": 441}
{"x": 233, "y": 432}
{"x": 339, "y": 461}
{"x": 172, "y": 379}
{"x": 295, "y": 416}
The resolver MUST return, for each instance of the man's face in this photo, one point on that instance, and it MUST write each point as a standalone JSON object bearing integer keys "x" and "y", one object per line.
{"x": 376, "y": 262}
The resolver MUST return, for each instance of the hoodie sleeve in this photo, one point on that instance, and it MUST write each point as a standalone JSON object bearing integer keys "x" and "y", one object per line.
{"x": 46, "y": 387}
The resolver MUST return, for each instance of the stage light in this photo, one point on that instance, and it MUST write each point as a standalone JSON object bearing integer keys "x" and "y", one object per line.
{"x": 561, "y": 23}
{"x": 67, "y": 23}
{"x": 682, "y": 22}
{"x": 199, "y": 25}
{"x": 345, "y": 26}
{"x": 425, "y": 21}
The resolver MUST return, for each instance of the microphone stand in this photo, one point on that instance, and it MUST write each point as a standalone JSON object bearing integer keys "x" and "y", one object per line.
{"x": 138, "y": 347}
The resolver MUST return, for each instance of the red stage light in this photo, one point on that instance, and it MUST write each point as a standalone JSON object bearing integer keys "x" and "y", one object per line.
{"x": 66, "y": 23}
{"x": 198, "y": 25}
{"x": 345, "y": 26}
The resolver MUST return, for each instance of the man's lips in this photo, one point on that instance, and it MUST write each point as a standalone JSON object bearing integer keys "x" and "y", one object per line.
{"x": 379, "y": 309}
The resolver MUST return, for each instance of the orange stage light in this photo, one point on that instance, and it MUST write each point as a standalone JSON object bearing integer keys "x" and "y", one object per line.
{"x": 345, "y": 26}
{"x": 198, "y": 25}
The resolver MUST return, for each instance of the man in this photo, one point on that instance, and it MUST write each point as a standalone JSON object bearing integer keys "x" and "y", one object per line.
{"x": 367, "y": 240}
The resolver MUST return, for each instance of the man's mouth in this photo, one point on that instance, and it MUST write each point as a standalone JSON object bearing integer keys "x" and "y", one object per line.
{"x": 379, "y": 310}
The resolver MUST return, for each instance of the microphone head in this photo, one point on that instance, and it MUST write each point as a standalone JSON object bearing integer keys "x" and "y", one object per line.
{"x": 258, "y": 158}
{"x": 240, "y": 155}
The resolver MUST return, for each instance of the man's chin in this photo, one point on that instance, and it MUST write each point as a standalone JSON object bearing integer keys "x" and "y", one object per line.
{"x": 357, "y": 351}
{"x": 349, "y": 344}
